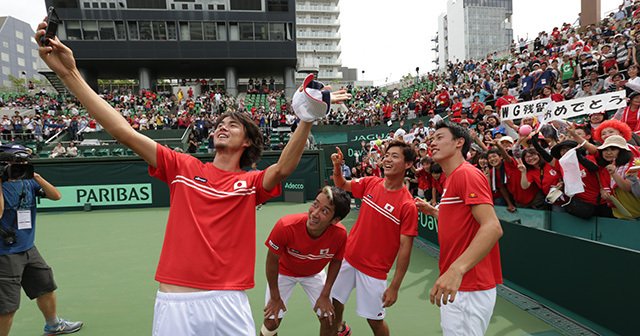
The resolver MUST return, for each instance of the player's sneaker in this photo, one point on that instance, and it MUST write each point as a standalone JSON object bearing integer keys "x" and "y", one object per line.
{"x": 63, "y": 327}
{"x": 346, "y": 330}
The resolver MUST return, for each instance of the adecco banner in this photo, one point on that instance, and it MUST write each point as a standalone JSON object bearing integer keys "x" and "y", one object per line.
{"x": 103, "y": 195}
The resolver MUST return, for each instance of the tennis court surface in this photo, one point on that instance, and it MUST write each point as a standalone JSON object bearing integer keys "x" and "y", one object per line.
{"x": 104, "y": 263}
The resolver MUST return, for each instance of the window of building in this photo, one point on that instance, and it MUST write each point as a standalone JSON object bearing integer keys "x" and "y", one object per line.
{"x": 73, "y": 30}
{"x": 6, "y": 70}
{"x": 107, "y": 30}
{"x": 209, "y": 30}
{"x": 112, "y": 5}
{"x": 94, "y": 5}
{"x": 289, "y": 32}
{"x": 184, "y": 31}
{"x": 261, "y": 31}
{"x": 234, "y": 34}
{"x": 19, "y": 35}
{"x": 173, "y": 6}
{"x": 132, "y": 27}
{"x": 147, "y": 4}
{"x": 121, "y": 31}
{"x": 34, "y": 53}
{"x": 171, "y": 31}
{"x": 145, "y": 30}
{"x": 277, "y": 5}
{"x": 103, "y": 5}
{"x": 20, "y": 48}
{"x": 5, "y": 44}
{"x": 65, "y": 3}
{"x": 197, "y": 7}
{"x": 221, "y": 30}
{"x": 246, "y": 31}
{"x": 34, "y": 65}
{"x": 86, "y": 4}
{"x": 90, "y": 30}
{"x": 245, "y": 5}
{"x": 185, "y": 6}
{"x": 21, "y": 61}
{"x": 195, "y": 30}
{"x": 276, "y": 31}
{"x": 220, "y": 7}
{"x": 159, "y": 30}
{"x": 211, "y": 7}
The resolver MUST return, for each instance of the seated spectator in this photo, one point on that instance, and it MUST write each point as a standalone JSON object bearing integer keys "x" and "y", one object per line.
{"x": 72, "y": 150}
{"x": 58, "y": 150}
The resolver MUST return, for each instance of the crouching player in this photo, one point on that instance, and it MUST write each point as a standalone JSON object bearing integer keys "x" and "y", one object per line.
{"x": 300, "y": 246}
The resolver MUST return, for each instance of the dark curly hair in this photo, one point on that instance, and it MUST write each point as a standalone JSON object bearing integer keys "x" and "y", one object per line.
{"x": 252, "y": 153}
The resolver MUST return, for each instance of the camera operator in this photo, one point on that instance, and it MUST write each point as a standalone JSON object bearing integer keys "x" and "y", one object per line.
{"x": 21, "y": 265}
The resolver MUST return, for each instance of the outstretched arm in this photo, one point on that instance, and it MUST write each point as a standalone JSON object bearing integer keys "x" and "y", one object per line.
{"x": 338, "y": 179}
{"x": 292, "y": 152}
{"x": 60, "y": 59}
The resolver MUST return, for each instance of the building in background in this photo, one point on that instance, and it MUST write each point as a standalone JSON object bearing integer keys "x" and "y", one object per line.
{"x": 18, "y": 51}
{"x": 472, "y": 29}
{"x": 318, "y": 39}
{"x": 233, "y": 42}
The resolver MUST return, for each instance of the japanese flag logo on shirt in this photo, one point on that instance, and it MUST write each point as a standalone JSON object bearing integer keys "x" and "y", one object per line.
{"x": 324, "y": 251}
{"x": 240, "y": 185}
{"x": 388, "y": 207}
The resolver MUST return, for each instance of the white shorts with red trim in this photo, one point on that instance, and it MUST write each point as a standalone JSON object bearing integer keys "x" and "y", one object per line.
{"x": 469, "y": 314}
{"x": 369, "y": 291}
{"x": 312, "y": 285}
{"x": 223, "y": 313}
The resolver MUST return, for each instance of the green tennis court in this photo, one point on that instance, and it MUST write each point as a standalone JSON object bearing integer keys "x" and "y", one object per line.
{"x": 104, "y": 263}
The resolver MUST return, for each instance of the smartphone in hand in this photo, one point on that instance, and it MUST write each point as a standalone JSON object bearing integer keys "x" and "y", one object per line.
{"x": 52, "y": 26}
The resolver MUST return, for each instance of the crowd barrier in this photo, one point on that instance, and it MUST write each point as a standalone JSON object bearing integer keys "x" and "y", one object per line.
{"x": 585, "y": 269}
{"x": 124, "y": 182}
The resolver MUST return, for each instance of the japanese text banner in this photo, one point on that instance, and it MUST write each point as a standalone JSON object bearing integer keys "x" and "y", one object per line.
{"x": 586, "y": 105}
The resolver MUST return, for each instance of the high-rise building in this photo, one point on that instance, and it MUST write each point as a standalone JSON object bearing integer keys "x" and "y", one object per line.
{"x": 18, "y": 51}
{"x": 235, "y": 41}
{"x": 318, "y": 38}
{"x": 472, "y": 29}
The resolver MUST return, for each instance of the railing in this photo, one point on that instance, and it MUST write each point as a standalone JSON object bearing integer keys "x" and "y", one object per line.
{"x": 335, "y": 48}
{"x": 318, "y": 22}
{"x": 303, "y": 8}
{"x": 318, "y": 35}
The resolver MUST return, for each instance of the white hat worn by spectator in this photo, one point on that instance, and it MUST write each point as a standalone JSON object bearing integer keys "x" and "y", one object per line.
{"x": 310, "y": 102}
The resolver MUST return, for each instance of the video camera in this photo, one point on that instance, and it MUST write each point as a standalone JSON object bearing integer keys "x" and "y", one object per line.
{"x": 14, "y": 163}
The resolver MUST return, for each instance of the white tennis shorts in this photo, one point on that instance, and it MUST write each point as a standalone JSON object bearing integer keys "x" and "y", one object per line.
{"x": 312, "y": 285}
{"x": 469, "y": 314}
{"x": 219, "y": 313}
{"x": 369, "y": 291}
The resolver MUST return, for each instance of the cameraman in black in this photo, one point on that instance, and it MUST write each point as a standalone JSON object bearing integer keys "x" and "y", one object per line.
{"x": 21, "y": 265}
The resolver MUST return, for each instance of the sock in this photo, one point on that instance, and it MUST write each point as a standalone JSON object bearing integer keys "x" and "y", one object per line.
{"x": 54, "y": 321}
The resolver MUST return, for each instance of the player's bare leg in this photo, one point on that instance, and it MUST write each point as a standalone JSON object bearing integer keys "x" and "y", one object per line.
{"x": 379, "y": 327}
{"x": 271, "y": 325}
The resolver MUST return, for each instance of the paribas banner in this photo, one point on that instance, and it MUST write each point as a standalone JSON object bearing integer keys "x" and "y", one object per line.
{"x": 547, "y": 110}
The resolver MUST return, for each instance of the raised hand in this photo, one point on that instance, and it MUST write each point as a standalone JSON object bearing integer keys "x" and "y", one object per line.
{"x": 56, "y": 55}
{"x": 426, "y": 208}
{"x": 337, "y": 157}
{"x": 521, "y": 167}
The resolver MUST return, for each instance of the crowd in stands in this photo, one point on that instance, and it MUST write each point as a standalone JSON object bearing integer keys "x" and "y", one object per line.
{"x": 520, "y": 159}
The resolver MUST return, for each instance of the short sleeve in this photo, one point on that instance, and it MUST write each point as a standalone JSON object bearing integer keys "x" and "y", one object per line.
{"x": 358, "y": 186}
{"x": 263, "y": 195}
{"x": 475, "y": 189}
{"x": 409, "y": 219}
{"x": 277, "y": 239}
{"x": 168, "y": 163}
